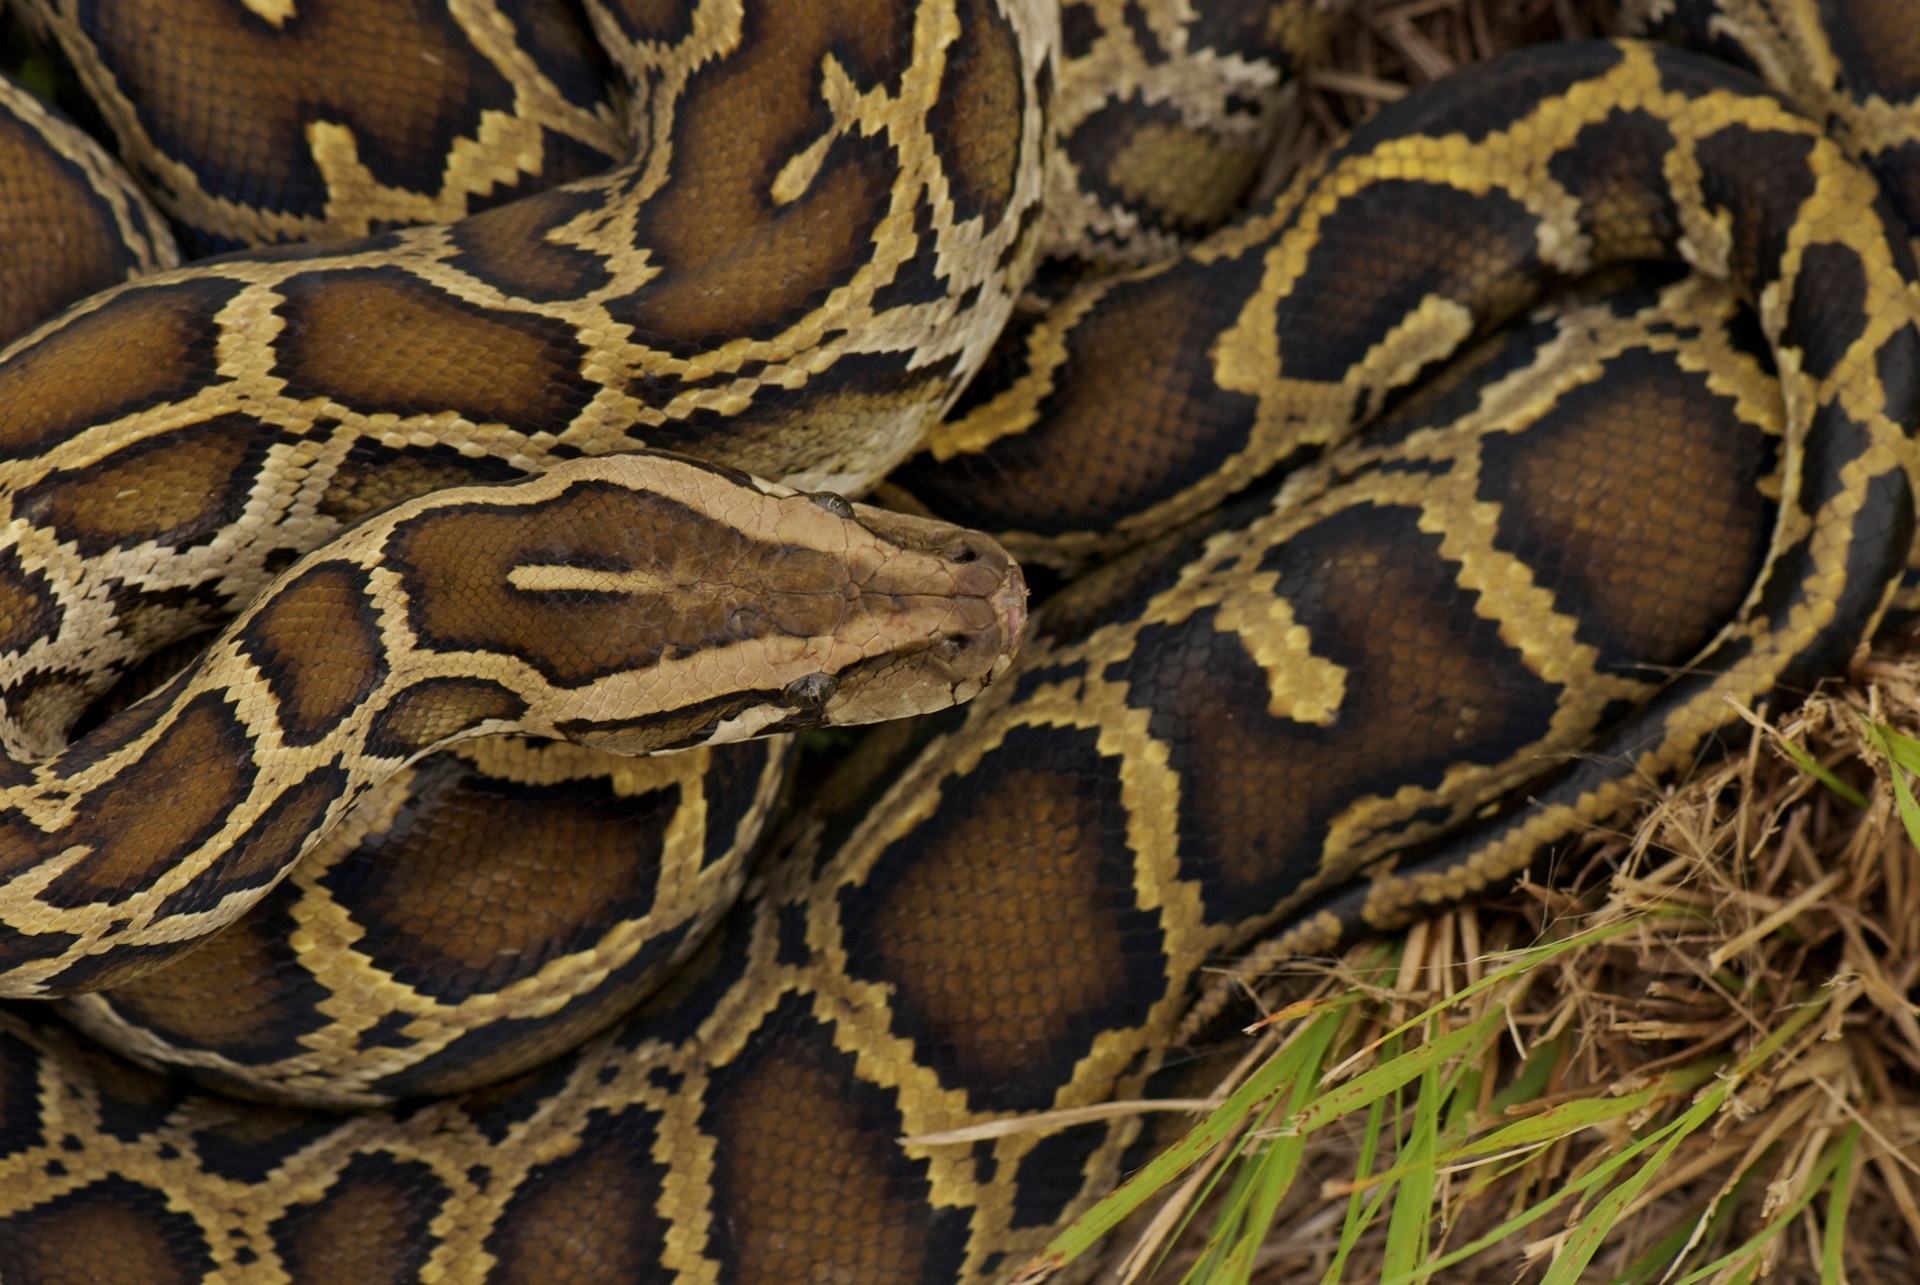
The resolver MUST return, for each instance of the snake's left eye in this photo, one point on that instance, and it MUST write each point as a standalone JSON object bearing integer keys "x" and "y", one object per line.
{"x": 811, "y": 692}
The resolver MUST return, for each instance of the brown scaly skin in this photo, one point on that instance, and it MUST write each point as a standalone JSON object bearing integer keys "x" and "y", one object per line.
{"x": 248, "y": 127}
{"x": 791, "y": 272}
{"x": 247, "y": 133}
{"x": 1013, "y": 924}
{"x": 1206, "y": 382}
{"x": 77, "y": 226}
{"x": 1855, "y": 66}
{"x": 478, "y": 913}
{"x": 1165, "y": 114}
{"x": 629, "y": 605}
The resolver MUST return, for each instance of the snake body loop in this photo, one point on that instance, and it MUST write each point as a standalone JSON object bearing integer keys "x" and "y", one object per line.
{"x": 1390, "y": 600}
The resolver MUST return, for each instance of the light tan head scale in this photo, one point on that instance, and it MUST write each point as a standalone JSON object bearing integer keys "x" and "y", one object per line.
{"x": 642, "y": 602}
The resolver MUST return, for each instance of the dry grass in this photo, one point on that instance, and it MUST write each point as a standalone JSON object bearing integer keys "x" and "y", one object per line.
{"x": 1704, "y": 1067}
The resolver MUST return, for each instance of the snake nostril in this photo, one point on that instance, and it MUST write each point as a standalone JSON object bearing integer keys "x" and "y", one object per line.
{"x": 962, "y": 554}
{"x": 954, "y": 644}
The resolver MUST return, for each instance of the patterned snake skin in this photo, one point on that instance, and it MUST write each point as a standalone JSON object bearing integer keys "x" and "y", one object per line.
{"x": 784, "y": 240}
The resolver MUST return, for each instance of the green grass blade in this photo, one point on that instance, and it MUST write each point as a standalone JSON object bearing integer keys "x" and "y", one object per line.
{"x": 1782, "y": 1219}
{"x": 1710, "y": 1102}
{"x": 1571, "y": 1117}
{"x": 1362, "y": 1205}
{"x": 1901, "y": 752}
{"x": 1369, "y": 1086}
{"x": 1813, "y": 768}
{"x": 1226, "y": 1224}
{"x": 1592, "y": 1229}
{"x": 1412, "y": 1218}
{"x": 1832, "y": 1259}
{"x": 1085, "y": 1232}
{"x": 1277, "y": 1168}
{"x": 1902, "y": 749}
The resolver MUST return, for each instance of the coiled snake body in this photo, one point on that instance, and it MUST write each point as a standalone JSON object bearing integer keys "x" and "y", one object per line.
{"x": 817, "y": 225}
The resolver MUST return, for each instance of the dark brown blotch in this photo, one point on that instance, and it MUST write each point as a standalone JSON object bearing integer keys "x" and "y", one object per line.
{"x": 28, "y": 609}
{"x": 493, "y": 1051}
{"x": 247, "y": 1144}
{"x": 381, "y": 340}
{"x": 734, "y": 261}
{"x": 242, "y": 994}
{"x": 435, "y": 708}
{"x": 976, "y": 122}
{"x": 660, "y": 21}
{"x": 1873, "y": 42}
{"x": 1829, "y": 311}
{"x": 132, "y": 1101}
{"x": 1135, "y": 416}
{"x": 557, "y": 38}
{"x": 144, "y": 348}
{"x": 1146, "y": 158}
{"x": 731, "y": 787}
{"x": 1385, "y": 250}
{"x": 238, "y": 112}
{"x": 511, "y": 248}
{"x": 591, "y": 1214}
{"x": 809, "y": 1181}
{"x": 1761, "y": 179}
{"x": 158, "y": 809}
{"x": 371, "y": 1226}
{"x": 1005, "y": 923}
{"x": 20, "y": 1126}
{"x": 317, "y": 642}
{"x": 1429, "y": 686}
{"x": 60, "y": 239}
{"x": 373, "y": 477}
{"x": 1636, "y": 501}
{"x": 176, "y": 490}
{"x": 111, "y": 1232}
{"x": 1616, "y": 169}
{"x": 273, "y": 842}
{"x": 1898, "y": 170}
{"x": 17, "y": 948}
{"x": 479, "y": 882}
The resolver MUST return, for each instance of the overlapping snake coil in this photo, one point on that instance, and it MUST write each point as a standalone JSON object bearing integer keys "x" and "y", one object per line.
{"x": 353, "y": 573}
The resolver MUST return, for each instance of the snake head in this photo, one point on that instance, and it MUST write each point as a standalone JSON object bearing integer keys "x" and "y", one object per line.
{"x": 943, "y": 610}
{"x": 647, "y": 602}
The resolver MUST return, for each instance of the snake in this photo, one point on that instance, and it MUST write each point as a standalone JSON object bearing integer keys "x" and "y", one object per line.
{"x": 451, "y": 522}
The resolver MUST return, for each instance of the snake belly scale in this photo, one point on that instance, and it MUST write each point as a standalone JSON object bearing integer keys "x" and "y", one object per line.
{"x": 398, "y": 502}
